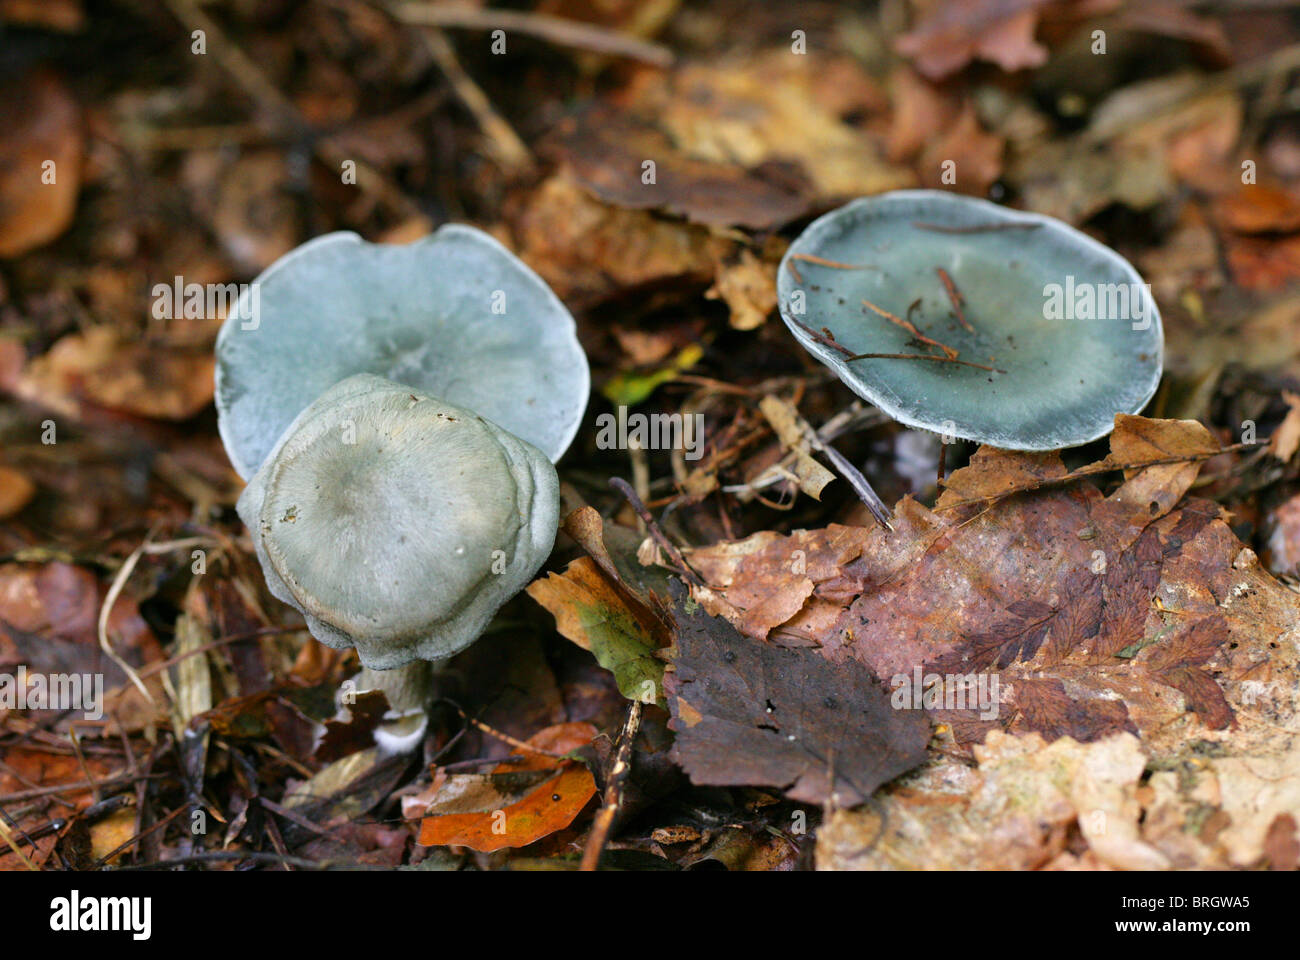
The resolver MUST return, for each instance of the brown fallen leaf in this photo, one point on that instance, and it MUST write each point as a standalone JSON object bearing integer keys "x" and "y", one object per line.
{"x": 1012, "y": 812}
{"x": 516, "y": 804}
{"x": 747, "y": 713}
{"x": 97, "y": 368}
{"x": 754, "y": 143}
{"x": 1260, "y": 208}
{"x": 975, "y": 153}
{"x": 748, "y": 288}
{"x": 41, "y": 144}
{"x": 588, "y": 250}
{"x": 951, "y": 34}
{"x": 1096, "y": 614}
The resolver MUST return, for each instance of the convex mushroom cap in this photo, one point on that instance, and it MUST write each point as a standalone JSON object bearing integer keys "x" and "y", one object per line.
{"x": 1071, "y": 333}
{"x": 399, "y": 523}
{"x": 455, "y": 314}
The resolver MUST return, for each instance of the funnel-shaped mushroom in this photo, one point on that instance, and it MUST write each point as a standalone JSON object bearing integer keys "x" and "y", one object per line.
{"x": 398, "y": 409}
{"x": 397, "y": 523}
{"x": 1006, "y": 328}
{"x": 455, "y": 314}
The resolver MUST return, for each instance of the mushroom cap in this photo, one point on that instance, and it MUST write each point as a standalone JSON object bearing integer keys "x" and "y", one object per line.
{"x": 398, "y": 523}
{"x": 455, "y": 314}
{"x": 1063, "y": 380}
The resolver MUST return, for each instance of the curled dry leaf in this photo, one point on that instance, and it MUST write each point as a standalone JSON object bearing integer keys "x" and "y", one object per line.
{"x": 516, "y": 804}
{"x": 1094, "y": 614}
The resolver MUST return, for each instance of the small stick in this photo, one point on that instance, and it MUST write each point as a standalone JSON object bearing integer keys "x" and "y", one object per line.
{"x": 828, "y": 339}
{"x": 943, "y": 460}
{"x": 502, "y": 736}
{"x": 910, "y": 327}
{"x": 978, "y": 228}
{"x": 675, "y": 555}
{"x": 613, "y": 789}
{"x": 955, "y": 296}
{"x": 558, "y": 30}
{"x": 922, "y": 356}
{"x": 823, "y": 262}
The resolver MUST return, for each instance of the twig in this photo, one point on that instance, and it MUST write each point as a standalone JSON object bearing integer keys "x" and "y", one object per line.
{"x": 13, "y": 845}
{"x": 675, "y": 555}
{"x": 618, "y": 774}
{"x": 82, "y": 785}
{"x": 861, "y": 486}
{"x": 823, "y": 262}
{"x": 558, "y": 30}
{"x": 507, "y": 148}
{"x": 955, "y": 296}
{"x": 826, "y": 339}
{"x": 245, "y": 72}
{"x": 1103, "y": 466}
{"x": 503, "y": 737}
{"x": 138, "y": 837}
{"x": 976, "y": 228}
{"x": 910, "y": 327}
{"x": 259, "y": 856}
{"x": 922, "y": 356}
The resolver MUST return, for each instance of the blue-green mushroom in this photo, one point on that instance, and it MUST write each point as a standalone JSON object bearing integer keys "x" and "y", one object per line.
{"x": 971, "y": 320}
{"x": 397, "y": 412}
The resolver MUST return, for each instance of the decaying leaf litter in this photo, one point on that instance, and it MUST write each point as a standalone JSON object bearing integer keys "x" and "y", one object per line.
{"x": 712, "y": 652}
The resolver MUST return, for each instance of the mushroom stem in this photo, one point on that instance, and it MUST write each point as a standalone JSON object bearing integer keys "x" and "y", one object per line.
{"x": 409, "y": 688}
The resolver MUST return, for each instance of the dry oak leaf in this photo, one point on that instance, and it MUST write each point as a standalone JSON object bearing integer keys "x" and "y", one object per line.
{"x": 747, "y": 713}
{"x": 515, "y": 804}
{"x": 588, "y": 250}
{"x": 1136, "y": 611}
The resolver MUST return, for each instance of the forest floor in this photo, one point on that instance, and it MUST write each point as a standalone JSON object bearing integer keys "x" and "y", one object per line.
{"x": 705, "y": 674}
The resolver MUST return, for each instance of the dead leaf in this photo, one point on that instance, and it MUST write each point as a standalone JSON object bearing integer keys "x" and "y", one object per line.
{"x": 747, "y": 713}
{"x": 951, "y": 34}
{"x": 1097, "y": 614}
{"x": 99, "y": 369}
{"x": 515, "y": 805}
{"x": 748, "y": 287}
{"x": 1010, "y": 813}
{"x": 40, "y": 162}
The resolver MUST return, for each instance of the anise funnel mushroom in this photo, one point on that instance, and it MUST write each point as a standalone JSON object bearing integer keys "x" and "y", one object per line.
{"x": 398, "y": 409}
{"x": 455, "y": 314}
{"x": 967, "y": 319}
{"x": 399, "y": 524}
